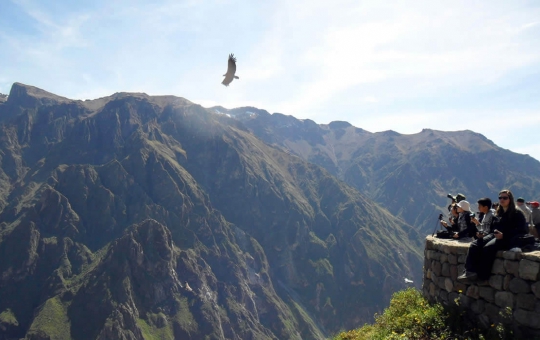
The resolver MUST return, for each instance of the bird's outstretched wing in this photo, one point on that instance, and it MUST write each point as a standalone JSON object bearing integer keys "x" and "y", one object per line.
{"x": 231, "y": 70}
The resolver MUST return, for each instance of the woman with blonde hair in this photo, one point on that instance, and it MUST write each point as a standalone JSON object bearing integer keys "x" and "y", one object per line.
{"x": 507, "y": 224}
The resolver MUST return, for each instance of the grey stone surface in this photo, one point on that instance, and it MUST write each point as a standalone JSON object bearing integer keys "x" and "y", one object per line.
{"x": 526, "y": 301}
{"x": 448, "y": 284}
{"x": 443, "y": 295}
{"x": 491, "y": 310}
{"x": 511, "y": 295}
{"x": 432, "y": 289}
{"x": 477, "y": 306}
{"x": 429, "y": 243}
{"x": 496, "y": 282}
{"x": 433, "y": 255}
{"x": 436, "y": 268}
{"x": 473, "y": 291}
{"x": 445, "y": 271}
{"x": 454, "y": 272}
{"x": 510, "y": 255}
{"x": 498, "y": 267}
{"x": 527, "y": 318}
{"x": 487, "y": 293}
{"x": 443, "y": 258}
{"x": 511, "y": 267}
{"x": 518, "y": 285}
{"x": 528, "y": 269}
{"x": 506, "y": 282}
{"x": 504, "y": 299}
{"x": 441, "y": 282}
{"x": 427, "y": 263}
{"x": 535, "y": 287}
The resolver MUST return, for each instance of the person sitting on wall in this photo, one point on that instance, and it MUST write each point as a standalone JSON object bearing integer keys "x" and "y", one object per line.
{"x": 507, "y": 224}
{"x": 455, "y": 199}
{"x": 520, "y": 204}
{"x": 535, "y": 215}
{"x": 452, "y": 226}
{"x": 466, "y": 228}
{"x": 485, "y": 219}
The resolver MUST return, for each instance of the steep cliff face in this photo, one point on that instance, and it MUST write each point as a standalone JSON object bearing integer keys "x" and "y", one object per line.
{"x": 409, "y": 174}
{"x": 135, "y": 217}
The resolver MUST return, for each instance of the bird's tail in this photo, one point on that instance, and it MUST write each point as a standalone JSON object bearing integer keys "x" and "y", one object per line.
{"x": 236, "y": 77}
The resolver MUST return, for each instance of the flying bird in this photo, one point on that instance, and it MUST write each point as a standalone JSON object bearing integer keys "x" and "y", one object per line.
{"x": 231, "y": 70}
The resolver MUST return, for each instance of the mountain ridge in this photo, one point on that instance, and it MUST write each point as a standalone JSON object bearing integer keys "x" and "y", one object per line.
{"x": 408, "y": 174}
{"x": 273, "y": 247}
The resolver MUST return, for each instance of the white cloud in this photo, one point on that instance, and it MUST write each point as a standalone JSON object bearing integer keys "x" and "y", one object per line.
{"x": 414, "y": 45}
{"x": 392, "y": 62}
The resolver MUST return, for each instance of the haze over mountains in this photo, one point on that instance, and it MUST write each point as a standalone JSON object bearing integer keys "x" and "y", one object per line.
{"x": 135, "y": 217}
{"x": 409, "y": 175}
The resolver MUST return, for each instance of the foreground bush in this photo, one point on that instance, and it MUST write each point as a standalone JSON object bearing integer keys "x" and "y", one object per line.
{"x": 409, "y": 316}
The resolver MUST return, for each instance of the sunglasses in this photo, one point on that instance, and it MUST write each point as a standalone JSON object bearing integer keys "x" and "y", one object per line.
{"x": 503, "y": 197}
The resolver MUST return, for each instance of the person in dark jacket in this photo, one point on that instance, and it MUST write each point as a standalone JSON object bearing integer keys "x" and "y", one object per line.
{"x": 466, "y": 228}
{"x": 453, "y": 225}
{"x": 508, "y": 223}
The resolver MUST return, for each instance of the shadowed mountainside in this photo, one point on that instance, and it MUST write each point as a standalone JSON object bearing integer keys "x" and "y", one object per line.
{"x": 136, "y": 216}
{"x": 409, "y": 175}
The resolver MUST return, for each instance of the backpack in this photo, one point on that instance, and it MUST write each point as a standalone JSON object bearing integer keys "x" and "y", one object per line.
{"x": 444, "y": 234}
{"x": 523, "y": 241}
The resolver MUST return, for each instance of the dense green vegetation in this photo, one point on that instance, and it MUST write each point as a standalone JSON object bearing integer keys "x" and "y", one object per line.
{"x": 411, "y": 317}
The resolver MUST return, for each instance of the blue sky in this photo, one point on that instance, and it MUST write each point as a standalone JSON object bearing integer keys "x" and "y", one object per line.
{"x": 445, "y": 65}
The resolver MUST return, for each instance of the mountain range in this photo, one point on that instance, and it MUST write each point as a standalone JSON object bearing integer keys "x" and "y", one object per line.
{"x": 150, "y": 217}
{"x": 409, "y": 175}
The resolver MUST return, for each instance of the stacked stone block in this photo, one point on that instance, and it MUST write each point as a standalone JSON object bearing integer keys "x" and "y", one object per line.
{"x": 511, "y": 295}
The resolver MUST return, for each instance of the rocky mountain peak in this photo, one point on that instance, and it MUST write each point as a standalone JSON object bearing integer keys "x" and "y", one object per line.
{"x": 31, "y": 96}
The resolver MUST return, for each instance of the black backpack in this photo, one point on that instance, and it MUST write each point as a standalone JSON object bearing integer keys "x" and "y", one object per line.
{"x": 444, "y": 234}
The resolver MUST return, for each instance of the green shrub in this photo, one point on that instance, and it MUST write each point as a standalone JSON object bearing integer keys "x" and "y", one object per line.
{"x": 409, "y": 316}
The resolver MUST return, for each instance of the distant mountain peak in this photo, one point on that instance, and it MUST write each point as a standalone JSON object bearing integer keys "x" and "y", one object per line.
{"x": 28, "y": 96}
{"x": 339, "y": 124}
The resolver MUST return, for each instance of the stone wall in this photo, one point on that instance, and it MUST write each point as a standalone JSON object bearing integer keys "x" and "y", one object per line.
{"x": 511, "y": 295}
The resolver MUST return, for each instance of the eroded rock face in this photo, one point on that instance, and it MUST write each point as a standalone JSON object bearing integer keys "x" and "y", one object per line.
{"x": 132, "y": 216}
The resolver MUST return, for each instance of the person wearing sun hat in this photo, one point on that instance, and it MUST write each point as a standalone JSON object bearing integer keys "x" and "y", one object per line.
{"x": 455, "y": 199}
{"x": 467, "y": 228}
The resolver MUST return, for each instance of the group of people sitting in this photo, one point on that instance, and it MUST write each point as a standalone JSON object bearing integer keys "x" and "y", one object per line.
{"x": 496, "y": 226}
